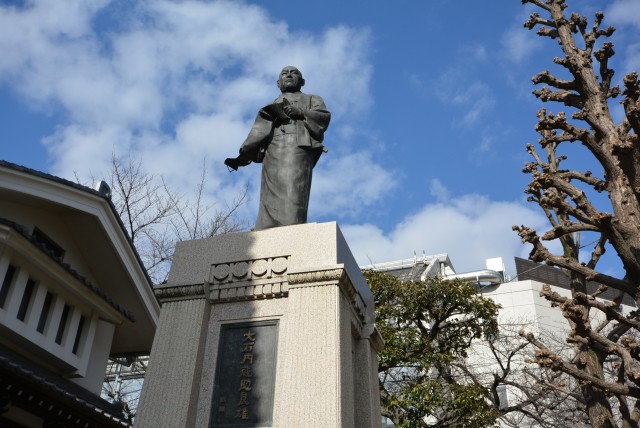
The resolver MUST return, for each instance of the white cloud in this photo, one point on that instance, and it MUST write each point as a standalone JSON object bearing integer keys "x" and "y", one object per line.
{"x": 348, "y": 184}
{"x": 459, "y": 86}
{"x": 475, "y": 51}
{"x": 472, "y": 98}
{"x": 624, "y": 12}
{"x": 438, "y": 190}
{"x": 520, "y": 43}
{"x": 177, "y": 82}
{"x": 470, "y": 228}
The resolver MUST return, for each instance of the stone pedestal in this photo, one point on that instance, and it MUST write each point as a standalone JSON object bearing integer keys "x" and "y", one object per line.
{"x": 273, "y": 328}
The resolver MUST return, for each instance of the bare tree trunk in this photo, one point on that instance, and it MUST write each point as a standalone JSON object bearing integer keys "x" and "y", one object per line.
{"x": 588, "y": 360}
{"x": 598, "y": 407}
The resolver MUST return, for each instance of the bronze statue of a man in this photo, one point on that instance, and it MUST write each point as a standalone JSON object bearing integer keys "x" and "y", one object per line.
{"x": 286, "y": 138}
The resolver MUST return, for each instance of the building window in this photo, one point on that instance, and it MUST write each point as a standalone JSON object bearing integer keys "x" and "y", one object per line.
{"x": 76, "y": 342}
{"x": 44, "y": 315}
{"x": 63, "y": 323}
{"x": 26, "y": 299}
{"x": 6, "y": 284}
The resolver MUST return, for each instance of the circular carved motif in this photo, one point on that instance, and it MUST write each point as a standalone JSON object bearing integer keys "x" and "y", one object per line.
{"x": 240, "y": 269}
{"x": 259, "y": 267}
{"x": 220, "y": 272}
{"x": 279, "y": 265}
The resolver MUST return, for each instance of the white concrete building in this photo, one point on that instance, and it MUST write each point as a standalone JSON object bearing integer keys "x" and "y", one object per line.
{"x": 522, "y": 306}
{"x": 519, "y": 297}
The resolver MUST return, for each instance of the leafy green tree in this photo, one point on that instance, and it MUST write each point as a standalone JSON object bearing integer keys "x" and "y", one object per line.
{"x": 427, "y": 327}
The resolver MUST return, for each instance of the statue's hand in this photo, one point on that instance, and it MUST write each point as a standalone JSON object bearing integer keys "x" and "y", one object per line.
{"x": 235, "y": 163}
{"x": 232, "y": 163}
{"x": 293, "y": 112}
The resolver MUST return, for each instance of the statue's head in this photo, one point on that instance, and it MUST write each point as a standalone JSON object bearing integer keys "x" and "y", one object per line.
{"x": 290, "y": 79}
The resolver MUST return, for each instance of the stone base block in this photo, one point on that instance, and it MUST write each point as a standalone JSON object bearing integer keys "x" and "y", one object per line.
{"x": 272, "y": 328}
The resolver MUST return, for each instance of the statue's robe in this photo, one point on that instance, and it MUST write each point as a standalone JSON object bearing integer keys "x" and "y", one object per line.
{"x": 288, "y": 150}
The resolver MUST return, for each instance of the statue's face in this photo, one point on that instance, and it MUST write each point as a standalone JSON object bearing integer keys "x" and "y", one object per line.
{"x": 290, "y": 80}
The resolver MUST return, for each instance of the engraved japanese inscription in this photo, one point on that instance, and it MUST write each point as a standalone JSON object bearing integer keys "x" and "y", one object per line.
{"x": 245, "y": 375}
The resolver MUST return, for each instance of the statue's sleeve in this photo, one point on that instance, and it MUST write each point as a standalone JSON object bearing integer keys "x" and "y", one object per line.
{"x": 260, "y": 132}
{"x": 316, "y": 118}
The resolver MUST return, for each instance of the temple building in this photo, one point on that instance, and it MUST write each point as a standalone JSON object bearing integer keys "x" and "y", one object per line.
{"x": 73, "y": 292}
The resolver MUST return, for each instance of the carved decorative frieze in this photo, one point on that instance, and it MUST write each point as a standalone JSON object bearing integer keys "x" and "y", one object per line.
{"x": 179, "y": 292}
{"x": 301, "y": 278}
{"x": 248, "y": 270}
{"x": 266, "y": 278}
{"x": 239, "y": 291}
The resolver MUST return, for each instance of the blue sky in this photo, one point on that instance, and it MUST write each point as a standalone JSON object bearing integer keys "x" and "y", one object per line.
{"x": 431, "y": 104}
